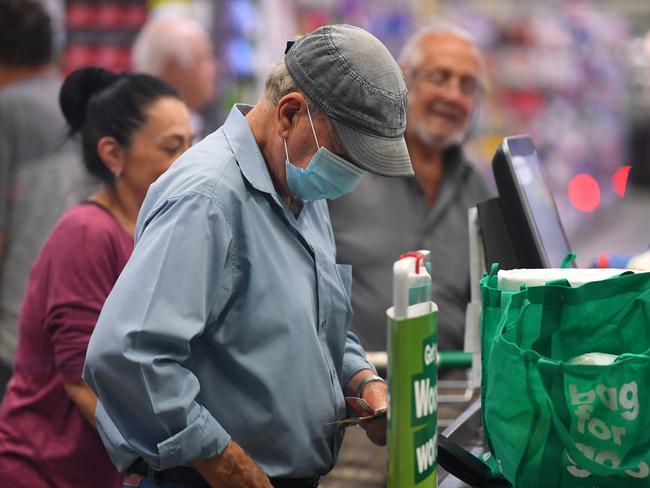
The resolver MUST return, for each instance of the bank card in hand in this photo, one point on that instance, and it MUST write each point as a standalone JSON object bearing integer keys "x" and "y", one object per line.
{"x": 363, "y": 411}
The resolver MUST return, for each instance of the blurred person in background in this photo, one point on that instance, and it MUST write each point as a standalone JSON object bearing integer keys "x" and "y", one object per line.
{"x": 40, "y": 174}
{"x": 179, "y": 50}
{"x": 385, "y": 218}
{"x": 132, "y": 127}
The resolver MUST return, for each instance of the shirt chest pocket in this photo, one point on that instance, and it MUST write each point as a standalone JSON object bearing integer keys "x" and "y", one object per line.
{"x": 344, "y": 272}
{"x": 343, "y": 294}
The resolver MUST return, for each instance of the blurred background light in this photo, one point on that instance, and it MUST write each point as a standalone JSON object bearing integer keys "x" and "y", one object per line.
{"x": 584, "y": 192}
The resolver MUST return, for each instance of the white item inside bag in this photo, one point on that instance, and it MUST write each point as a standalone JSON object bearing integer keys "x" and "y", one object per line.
{"x": 512, "y": 279}
{"x": 594, "y": 358}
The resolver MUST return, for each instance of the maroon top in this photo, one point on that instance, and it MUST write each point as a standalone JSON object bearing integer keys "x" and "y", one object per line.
{"x": 44, "y": 439}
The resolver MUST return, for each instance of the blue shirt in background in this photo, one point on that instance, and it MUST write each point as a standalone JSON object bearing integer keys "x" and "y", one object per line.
{"x": 229, "y": 321}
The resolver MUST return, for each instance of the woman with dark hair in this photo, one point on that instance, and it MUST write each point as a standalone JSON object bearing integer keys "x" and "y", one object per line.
{"x": 132, "y": 127}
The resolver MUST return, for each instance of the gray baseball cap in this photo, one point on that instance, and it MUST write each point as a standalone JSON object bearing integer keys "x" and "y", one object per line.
{"x": 349, "y": 74}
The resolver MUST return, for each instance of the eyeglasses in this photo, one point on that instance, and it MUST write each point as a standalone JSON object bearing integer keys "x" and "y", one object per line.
{"x": 442, "y": 78}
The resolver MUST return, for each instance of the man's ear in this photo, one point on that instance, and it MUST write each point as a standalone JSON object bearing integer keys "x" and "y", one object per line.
{"x": 112, "y": 154}
{"x": 288, "y": 107}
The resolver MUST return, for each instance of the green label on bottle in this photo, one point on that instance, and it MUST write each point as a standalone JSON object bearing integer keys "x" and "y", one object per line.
{"x": 412, "y": 352}
{"x": 424, "y": 444}
{"x": 424, "y": 395}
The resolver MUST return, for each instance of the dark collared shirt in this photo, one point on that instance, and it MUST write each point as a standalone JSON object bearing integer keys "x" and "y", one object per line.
{"x": 386, "y": 217}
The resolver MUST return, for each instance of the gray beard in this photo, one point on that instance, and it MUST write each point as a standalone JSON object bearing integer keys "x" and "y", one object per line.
{"x": 438, "y": 142}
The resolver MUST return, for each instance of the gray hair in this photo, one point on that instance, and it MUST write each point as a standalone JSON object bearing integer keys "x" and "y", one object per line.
{"x": 410, "y": 53}
{"x": 279, "y": 83}
{"x": 163, "y": 39}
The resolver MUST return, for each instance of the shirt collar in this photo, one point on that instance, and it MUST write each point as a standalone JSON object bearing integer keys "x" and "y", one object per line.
{"x": 456, "y": 166}
{"x": 247, "y": 152}
{"x": 250, "y": 159}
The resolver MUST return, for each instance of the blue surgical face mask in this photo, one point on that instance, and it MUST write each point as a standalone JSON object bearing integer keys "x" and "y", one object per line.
{"x": 326, "y": 176}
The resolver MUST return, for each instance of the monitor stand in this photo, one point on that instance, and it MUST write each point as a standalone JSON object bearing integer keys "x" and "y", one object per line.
{"x": 497, "y": 240}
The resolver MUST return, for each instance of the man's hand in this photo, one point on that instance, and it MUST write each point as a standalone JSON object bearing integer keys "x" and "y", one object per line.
{"x": 233, "y": 468}
{"x": 375, "y": 393}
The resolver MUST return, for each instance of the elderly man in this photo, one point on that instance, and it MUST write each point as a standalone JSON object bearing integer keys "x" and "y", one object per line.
{"x": 179, "y": 50}
{"x": 224, "y": 344}
{"x": 384, "y": 218}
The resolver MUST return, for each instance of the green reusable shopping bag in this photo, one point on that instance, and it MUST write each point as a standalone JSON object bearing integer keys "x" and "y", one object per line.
{"x": 554, "y": 424}
{"x": 495, "y": 304}
{"x": 494, "y": 311}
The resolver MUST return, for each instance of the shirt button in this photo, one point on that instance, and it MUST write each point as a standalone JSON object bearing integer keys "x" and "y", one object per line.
{"x": 322, "y": 271}
{"x": 323, "y": 323}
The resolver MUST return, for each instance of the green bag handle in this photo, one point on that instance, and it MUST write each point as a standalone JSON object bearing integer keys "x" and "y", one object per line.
{"x": 568, "y": 260}
{"x": 569, "y": 445}
{"x": 566, "y": 263}
{"x": 493, "y": 276}
{"x": 558, "y": 282}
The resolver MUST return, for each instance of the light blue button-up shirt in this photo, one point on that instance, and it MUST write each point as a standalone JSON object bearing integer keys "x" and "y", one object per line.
{"x": 229, "y": 321}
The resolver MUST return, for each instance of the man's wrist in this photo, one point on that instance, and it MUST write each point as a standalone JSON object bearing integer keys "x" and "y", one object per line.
{"x": 365, "y": 381}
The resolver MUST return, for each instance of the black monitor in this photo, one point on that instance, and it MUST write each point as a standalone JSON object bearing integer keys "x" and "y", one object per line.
{"x": 530, "y": 234}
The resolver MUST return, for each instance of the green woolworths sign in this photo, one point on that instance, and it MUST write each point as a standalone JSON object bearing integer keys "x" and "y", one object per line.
{"x": 413, "y": 398}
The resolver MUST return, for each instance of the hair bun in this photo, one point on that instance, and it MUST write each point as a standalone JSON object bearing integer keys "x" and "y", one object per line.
{"x": 77, "y": 90}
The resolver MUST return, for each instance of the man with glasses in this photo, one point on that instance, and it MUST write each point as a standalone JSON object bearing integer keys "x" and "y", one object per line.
{"x": 385, "y": 217}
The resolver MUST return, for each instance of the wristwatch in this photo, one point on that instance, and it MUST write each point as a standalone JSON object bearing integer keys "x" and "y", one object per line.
{"x": 365, "y": 381}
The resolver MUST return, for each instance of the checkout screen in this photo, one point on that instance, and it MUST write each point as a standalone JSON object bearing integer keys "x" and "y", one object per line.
{"x": 541, "y": 210}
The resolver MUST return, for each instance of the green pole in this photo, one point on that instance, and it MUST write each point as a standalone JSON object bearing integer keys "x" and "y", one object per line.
{"x": 454, "y": 359}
